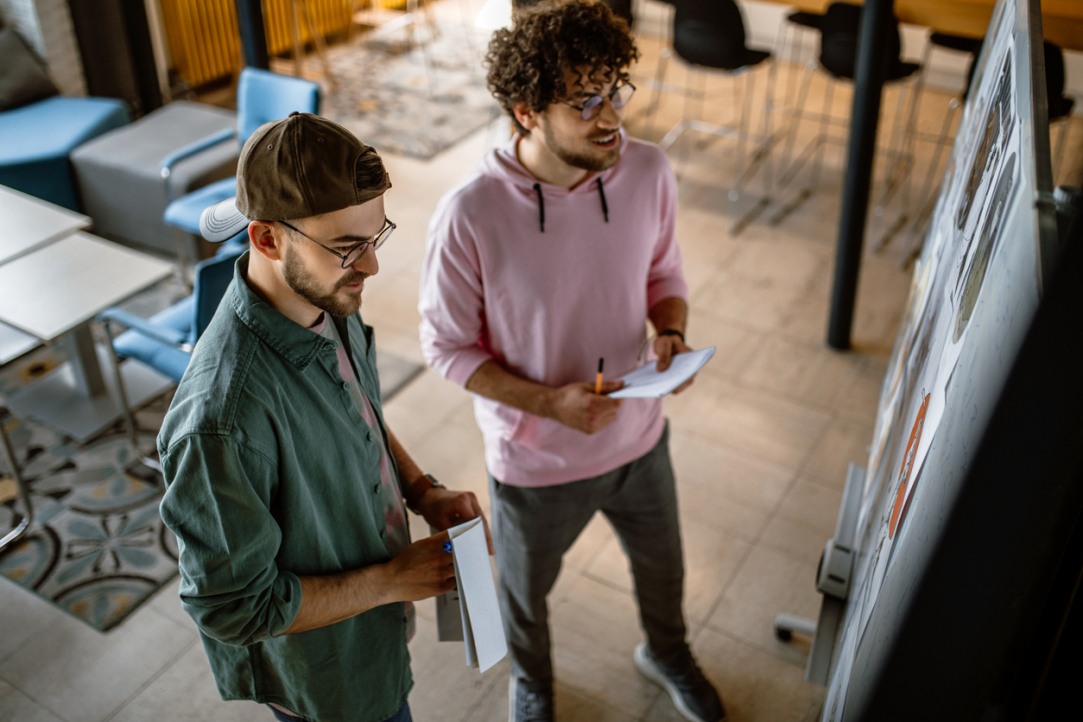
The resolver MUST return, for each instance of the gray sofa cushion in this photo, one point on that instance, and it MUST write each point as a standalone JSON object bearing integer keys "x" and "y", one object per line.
{"x": 119, "y": 178}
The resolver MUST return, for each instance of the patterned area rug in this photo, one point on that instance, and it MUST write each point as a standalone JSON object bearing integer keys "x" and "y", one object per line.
{"x": 97, "y": 547}
{"x": 411, "y": 101}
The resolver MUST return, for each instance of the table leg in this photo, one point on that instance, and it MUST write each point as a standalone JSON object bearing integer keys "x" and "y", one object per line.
{"x": 61, "y": 401}
{"x": 86, "y": 371}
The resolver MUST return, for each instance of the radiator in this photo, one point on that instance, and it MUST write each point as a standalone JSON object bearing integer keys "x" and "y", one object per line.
{"x": 204, "y": 40}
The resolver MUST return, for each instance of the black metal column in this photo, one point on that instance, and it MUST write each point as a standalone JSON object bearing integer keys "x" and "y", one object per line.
{"x": 253, "y": 34}
{"x": 868, "y": 84}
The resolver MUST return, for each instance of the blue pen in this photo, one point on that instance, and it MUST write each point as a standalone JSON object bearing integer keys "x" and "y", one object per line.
{"x": 447, "y": 546}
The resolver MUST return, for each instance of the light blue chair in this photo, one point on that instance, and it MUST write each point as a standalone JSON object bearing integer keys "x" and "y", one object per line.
{"x": 165, "y": 340}
{"x": 39, "y": 137}
{"x": 262, "y": 96}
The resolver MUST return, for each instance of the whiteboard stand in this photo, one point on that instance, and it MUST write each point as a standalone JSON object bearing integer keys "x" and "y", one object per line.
{"x": 833, "y": 580}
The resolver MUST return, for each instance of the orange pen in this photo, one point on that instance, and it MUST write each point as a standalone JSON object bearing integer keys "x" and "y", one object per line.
{"x": 598, "y": 382}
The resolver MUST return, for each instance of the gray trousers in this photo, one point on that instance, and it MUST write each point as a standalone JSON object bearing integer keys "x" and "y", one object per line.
{"x": 533, "y": 528}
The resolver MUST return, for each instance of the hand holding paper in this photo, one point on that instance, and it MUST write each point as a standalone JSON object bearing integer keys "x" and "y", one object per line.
{"x": 647, "y": 382}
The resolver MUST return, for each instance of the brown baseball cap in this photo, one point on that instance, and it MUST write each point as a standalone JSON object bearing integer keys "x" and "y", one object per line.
{"x": 297, "y": 167}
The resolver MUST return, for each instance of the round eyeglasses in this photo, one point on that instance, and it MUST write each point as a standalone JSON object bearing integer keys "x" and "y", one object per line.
{"x": 353, "y": 253}
{"x": 618, "y": 96}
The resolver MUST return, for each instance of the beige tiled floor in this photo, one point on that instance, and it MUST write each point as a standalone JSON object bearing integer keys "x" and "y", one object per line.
{"x": 760, "y": 443}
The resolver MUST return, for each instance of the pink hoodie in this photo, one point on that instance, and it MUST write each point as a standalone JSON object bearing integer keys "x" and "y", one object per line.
{"x": 535, "y": 276}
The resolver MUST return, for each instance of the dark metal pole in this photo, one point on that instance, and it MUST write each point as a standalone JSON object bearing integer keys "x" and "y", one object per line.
{"x": 253, "y": 35}
{"x": 868, "y": 84}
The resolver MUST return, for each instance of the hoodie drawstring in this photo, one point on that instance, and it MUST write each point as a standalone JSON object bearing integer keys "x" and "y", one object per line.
{"x": 605, "y": 206}
{"x": 541, "y": 207}
{"x": 541, "y": 203}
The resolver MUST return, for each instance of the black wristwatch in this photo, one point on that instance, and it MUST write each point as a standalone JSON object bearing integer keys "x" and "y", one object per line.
{"x": 672, "y": 332}
{"x": 415, "y": 496}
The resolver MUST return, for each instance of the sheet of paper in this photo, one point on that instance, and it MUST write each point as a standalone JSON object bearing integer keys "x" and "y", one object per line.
{"x": 647, "y": 383}
{"x": 482, "y": 625}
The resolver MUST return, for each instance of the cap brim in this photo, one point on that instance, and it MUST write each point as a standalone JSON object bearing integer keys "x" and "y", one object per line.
{"x": 222, "y": 221}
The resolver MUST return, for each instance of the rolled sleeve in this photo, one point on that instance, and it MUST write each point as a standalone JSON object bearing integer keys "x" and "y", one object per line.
{"x": 218, "y": 506}
{"x": 666, "y": 278}
{"x": 452, "y": 302}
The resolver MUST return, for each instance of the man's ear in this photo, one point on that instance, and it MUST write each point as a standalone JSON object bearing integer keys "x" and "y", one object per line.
{"x": 265, "y": 239}
{"x": 526, "y": 117}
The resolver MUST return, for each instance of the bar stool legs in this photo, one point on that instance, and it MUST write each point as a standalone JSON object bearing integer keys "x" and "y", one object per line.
{"x": 694, "y": 93}
{"x": 900, "y": 173}
{"x": 9, "y": 459}
{"x": 788, "y": 171}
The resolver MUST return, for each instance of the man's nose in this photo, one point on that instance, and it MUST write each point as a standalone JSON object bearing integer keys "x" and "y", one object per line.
{"x": 367, "y": 263}
{"x": 609, "y": 116}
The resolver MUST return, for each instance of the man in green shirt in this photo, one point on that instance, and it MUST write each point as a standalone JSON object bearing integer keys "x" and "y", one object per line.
{"x": 285, "y": 489}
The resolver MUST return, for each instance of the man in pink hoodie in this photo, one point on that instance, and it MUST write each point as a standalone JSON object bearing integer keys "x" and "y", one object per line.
{"x": 555, "y": 253}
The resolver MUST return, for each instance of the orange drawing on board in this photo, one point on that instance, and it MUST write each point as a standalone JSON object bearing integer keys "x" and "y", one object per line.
{"x": 908, "y": 465}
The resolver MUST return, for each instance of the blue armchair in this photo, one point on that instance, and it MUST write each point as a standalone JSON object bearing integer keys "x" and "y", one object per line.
{"x": 165, "y": 341}
{"x": 39, "y": 137}
{"x": 262, "y": 96}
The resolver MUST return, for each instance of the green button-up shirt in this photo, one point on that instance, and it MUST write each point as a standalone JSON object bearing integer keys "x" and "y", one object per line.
{"x": 272, "y": 474}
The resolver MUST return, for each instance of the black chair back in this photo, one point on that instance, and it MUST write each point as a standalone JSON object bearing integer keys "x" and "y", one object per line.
{"x": 1059, "y": 105}
{"x": 840, "y": 27}
{"x": 711, "y": 33}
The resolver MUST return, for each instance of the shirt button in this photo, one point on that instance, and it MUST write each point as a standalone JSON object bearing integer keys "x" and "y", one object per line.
{"x": 375, "y": 488}
{"x": 383, "y": 532}
{"x": 346, "y": 385}
{"x": 368, "y": 435}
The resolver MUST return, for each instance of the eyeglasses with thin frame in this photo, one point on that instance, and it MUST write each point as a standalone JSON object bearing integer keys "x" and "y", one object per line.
{"x": 354, "y": 253}
{"x": 618, "y": 96}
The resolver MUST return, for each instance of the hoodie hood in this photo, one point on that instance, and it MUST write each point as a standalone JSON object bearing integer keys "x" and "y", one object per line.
{"x": 503, "y": 164}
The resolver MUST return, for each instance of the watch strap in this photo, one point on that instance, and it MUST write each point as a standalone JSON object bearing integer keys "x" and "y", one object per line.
{"x": 672, "y": 332}
{"x": 419, "y": 488}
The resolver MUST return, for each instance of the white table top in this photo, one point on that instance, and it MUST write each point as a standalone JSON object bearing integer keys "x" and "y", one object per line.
{"x": 28, "y": 223}
{"x": 54, "y": 289}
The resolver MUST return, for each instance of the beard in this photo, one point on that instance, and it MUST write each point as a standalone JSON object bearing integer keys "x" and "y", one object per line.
{"x": 305, "y": 285}
{"x": 597, "y": 162}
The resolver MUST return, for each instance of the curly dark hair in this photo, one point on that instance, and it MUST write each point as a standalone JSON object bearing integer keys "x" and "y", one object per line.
{"x": 527, "y": 63}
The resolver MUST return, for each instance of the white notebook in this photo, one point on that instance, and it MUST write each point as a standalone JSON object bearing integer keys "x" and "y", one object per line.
{"x": 646, "y": 382}
{"x": 471, "y": 613}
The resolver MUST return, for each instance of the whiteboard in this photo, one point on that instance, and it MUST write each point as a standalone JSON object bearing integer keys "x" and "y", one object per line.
{"x": 973, "y": 294}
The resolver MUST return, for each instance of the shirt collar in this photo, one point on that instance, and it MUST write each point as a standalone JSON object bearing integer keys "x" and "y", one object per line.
{"x": 294, "y": 342}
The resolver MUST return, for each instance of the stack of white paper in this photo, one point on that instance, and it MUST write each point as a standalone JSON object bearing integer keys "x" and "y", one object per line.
{"x": 470, "y": 613}
{"x": 646, "y": 382}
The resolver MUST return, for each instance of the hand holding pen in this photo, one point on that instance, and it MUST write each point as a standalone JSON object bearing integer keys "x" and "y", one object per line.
{"x": 584, "y": 406}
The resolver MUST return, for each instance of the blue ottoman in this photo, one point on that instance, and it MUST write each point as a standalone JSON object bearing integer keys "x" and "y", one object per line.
{"x": 38, "y": 138}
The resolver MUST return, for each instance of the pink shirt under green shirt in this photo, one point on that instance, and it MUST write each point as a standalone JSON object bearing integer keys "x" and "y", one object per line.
{"x": 546, "y": 280}
{"x": 398, "y": 529}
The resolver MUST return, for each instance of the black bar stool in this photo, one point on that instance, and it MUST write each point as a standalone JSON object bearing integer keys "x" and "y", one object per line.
{"x": 709, "y": 35}
{"x": 838, "y": 29}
